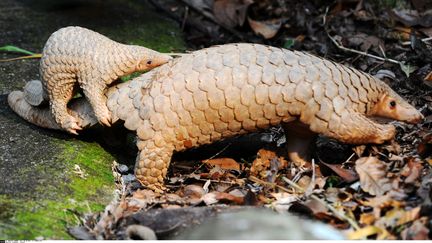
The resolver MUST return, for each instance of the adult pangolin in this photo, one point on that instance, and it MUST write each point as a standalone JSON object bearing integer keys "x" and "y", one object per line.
{"x": 77, "y": 57}
{"x": 232, "y": 89}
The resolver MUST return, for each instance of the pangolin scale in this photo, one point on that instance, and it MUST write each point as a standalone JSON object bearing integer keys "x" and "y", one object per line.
{"x": 232, "y": 89}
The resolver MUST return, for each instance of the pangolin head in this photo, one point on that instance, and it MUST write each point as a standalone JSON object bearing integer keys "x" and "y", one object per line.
{"x": 148, "y": 59}
{"x": 391, "y": 105}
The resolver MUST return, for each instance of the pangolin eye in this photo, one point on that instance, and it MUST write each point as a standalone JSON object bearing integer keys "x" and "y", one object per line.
{"x": 149, "y": 62}
{"x": 392, "y": 104}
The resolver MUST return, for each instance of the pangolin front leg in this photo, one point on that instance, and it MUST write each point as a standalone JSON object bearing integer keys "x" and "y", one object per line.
{"x": 62, "y": 92}
{"x": 355, "y": 128}
{"x": 152, "y": 164}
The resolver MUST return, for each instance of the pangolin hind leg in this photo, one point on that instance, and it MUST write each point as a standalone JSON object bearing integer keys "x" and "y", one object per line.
{"x": 299, "y": 143}
{"x": 61, "y": 93}
{"x": 94, "y": 91}
{"x": 152, "y": 164}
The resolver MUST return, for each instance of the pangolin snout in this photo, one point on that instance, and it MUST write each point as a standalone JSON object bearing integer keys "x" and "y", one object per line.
{"x": 417, "y": 118}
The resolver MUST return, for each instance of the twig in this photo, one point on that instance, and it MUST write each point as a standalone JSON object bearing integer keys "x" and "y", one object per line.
{"x": 352, "y": 155}
{"x": 185, "y": 18}
{"x": 21, "y": 58}
{"x": 361, "y": 52}
{"x": 311, "y": 185}
{"x": 213, "y": 156}
{"x": 330, "y": 207}
{"x": 270, "y": 184}
{"x": 406, "y": 43}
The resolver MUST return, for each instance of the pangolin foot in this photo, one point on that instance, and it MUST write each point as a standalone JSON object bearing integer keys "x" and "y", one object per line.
{"x": 104, "y": 117}
{"x": 71, "y": 125}
{"x": 151, "y": 183}
{"x": 388, "y": 133}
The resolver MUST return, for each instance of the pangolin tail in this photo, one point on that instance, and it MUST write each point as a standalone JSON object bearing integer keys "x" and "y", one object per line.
{"x": 39, "y": 116}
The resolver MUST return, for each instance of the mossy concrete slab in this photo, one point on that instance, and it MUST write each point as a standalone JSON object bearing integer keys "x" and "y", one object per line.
{"x": 48, "y": 176}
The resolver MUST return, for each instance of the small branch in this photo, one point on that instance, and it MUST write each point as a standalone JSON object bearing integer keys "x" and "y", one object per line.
{"x": 361, "y": 52}
{"x": 330, "y": 207}
{"x": 21, "y": 58}
{"x": 270, "y": 184}
{"x": 406, "y": 43}
{"x": 212, "y": 157}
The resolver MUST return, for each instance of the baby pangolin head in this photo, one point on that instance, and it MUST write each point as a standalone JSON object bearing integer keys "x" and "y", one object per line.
{"x": 148, "y": 59}
{"x": 391, "y": 105}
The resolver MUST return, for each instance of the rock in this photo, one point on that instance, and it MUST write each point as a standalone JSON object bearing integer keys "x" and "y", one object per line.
{"x": 49, "y": 177}
{"x": 260, "y": 224}
{"x": 128, "y": 178}
{"x": 123, "y": 168}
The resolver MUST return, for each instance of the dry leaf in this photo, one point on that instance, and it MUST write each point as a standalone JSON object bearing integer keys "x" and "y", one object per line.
{"x": 223, "y": 196}
{"x": 367, "y": 218}
{"x": 224, "y": 163}
{"x": 347, "y": 175}
{"x": 209, "y": 198}
{"x": 366, "y": 42}
{"x": 364, "y": 232}
{"x": 267, "y": 29}
{"x": 372, "y": 174}
{"x": 283, "y": 201}
{"x": 409, "y": 216}
{"x": 417, "y": 231}
{"x": 267, "y": 164}
{"x": 412, "y": 170}
{"x": 231, "y": 13}
{"x": 193, "y": 191}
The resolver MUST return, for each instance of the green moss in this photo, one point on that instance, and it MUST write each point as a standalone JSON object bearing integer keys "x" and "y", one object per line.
{"x": 151, "y": 31}
{"x": 73, "y": 195}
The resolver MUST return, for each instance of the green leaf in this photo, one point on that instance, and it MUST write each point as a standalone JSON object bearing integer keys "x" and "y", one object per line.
{"x": 289, "y": 43}
{"x": 10, "y": 48}
{"x": 407, "y": 68}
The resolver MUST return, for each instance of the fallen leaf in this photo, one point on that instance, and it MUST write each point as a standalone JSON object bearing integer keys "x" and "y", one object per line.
{"x": 409, "y": 216}
{"x": 366, "y": 42}
{"x": 231, "y": 13}
{"x": 367, "y": 218}
{"x": 412, "y": 17}
{"x": 347, "y": 175}
{"x": 223, "y": 196}
{"x": 417, "y": 231}
{"x": 209, "y": 198}
{"x": 407, "y": 68}
{"x": 193, "y": 191}
{"x": 267, "y": 164}
{"x": 411, "y": 170}
{"x": 372, "y": 173}
{"x": 283, "y": 201}
{"x": 364, "y": 232}
{"x": 224, "y": 163}
{"x": 316, "y": 206}
{"x": 267, "y": 29}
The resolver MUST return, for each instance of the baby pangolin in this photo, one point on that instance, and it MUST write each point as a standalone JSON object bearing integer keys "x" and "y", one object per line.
{"x": 232, "y": 89}
{"x": 75, "y": 57}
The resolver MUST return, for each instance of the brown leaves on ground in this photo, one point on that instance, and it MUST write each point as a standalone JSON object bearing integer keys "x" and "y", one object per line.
{"x": 267, "y": 164}
{"x": 231, "y": 13}
{"x": 267, "y": 28}
{"x": 372, "y": 173}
